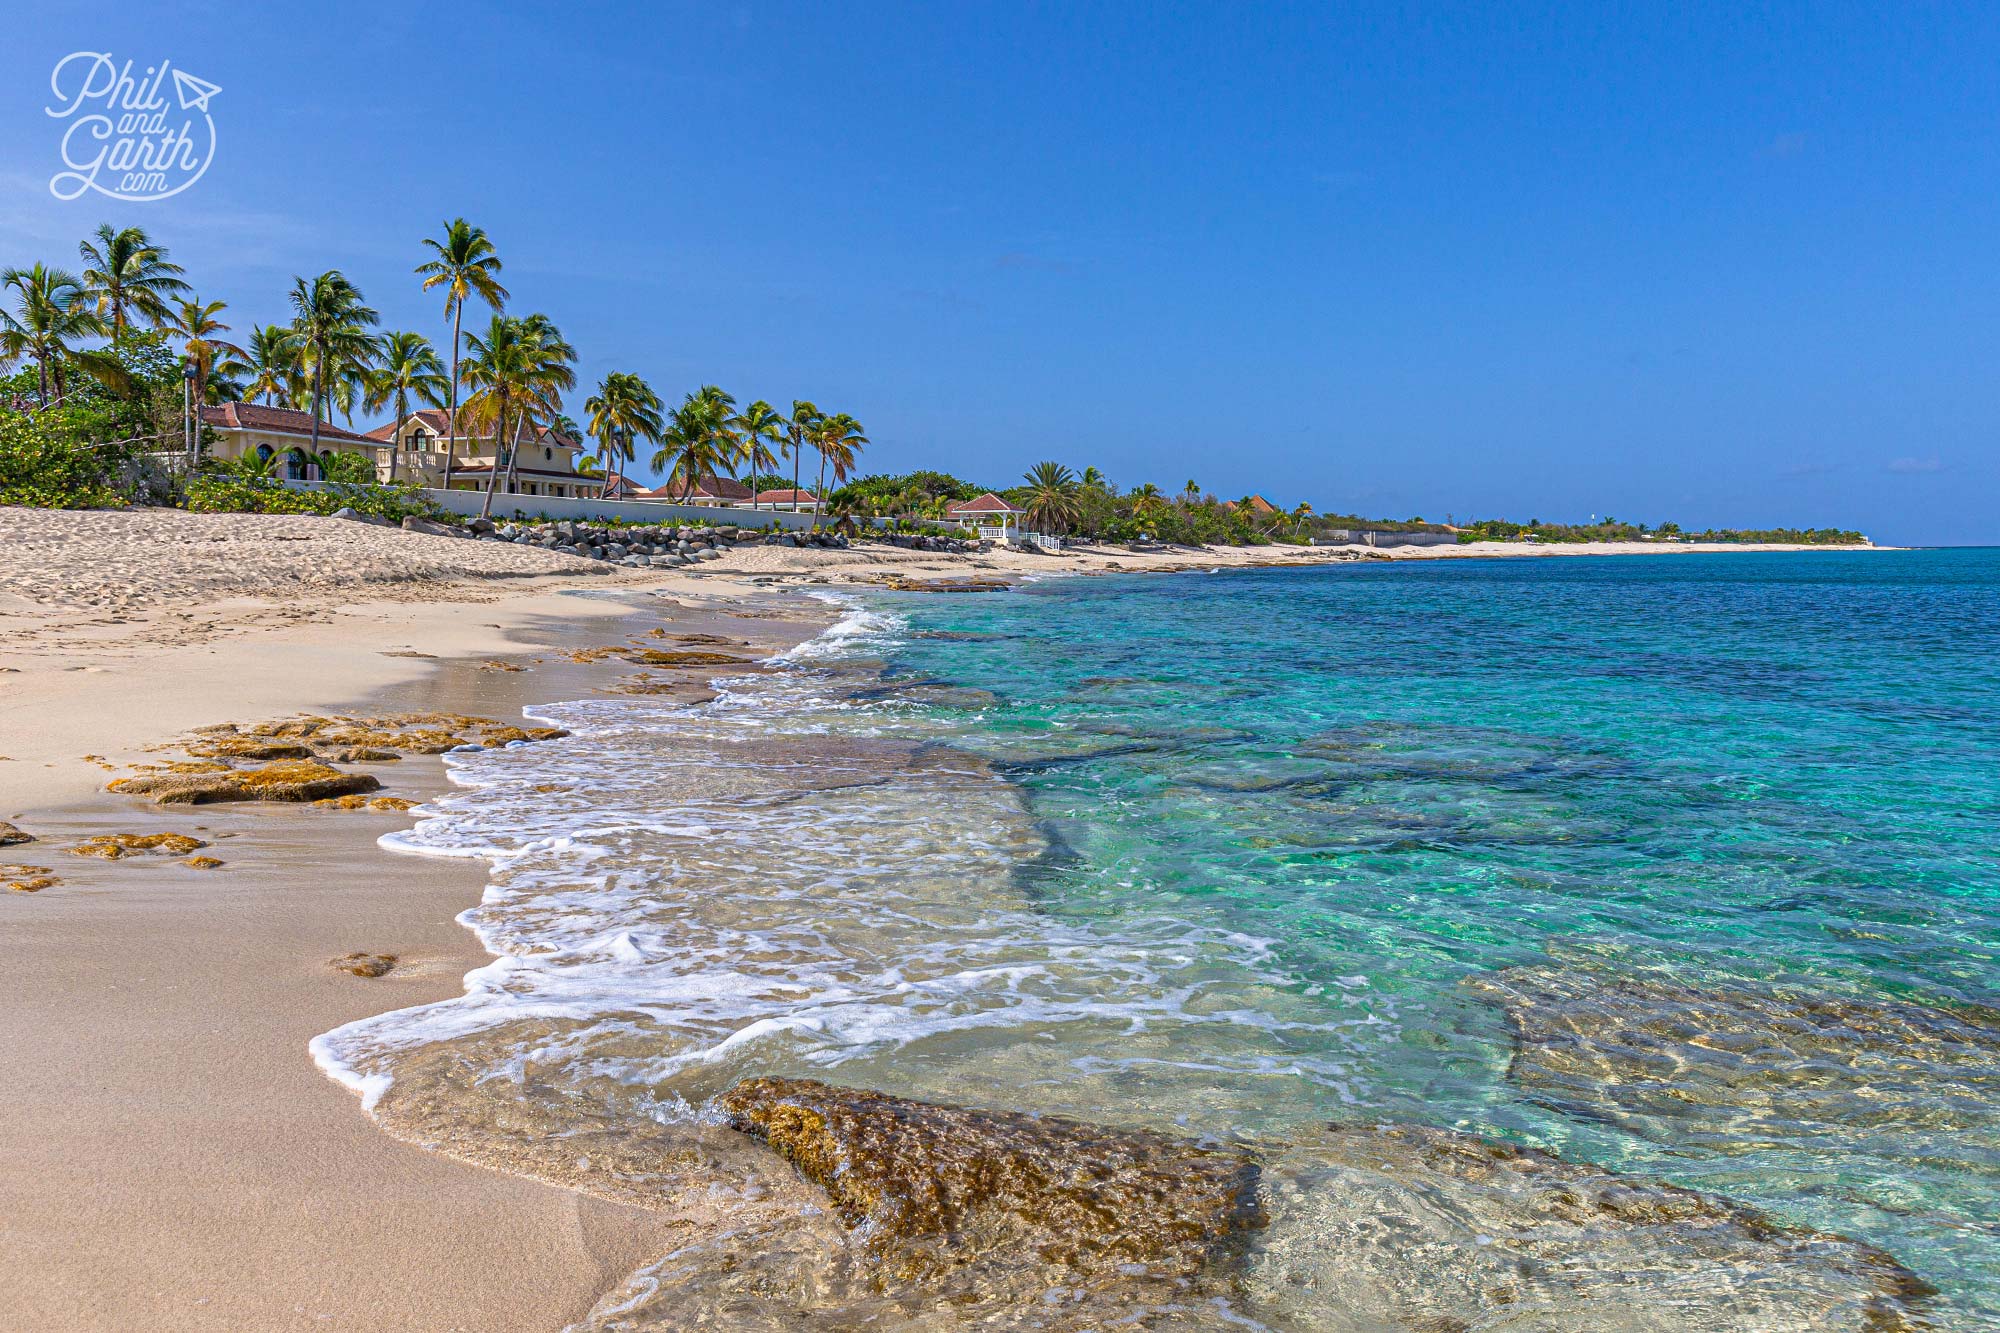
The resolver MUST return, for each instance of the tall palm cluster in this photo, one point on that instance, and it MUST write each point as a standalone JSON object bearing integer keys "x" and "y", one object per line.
{"x": 504, "y": 382}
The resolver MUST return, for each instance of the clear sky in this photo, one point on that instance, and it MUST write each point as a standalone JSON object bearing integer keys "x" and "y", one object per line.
{"x": 1655, "y": 261}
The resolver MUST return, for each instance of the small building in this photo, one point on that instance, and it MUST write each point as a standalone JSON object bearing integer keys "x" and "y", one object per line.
{"x": 281, "y": 432}
{"x": 995, "y": 519}
{"x": 804, "y": 502}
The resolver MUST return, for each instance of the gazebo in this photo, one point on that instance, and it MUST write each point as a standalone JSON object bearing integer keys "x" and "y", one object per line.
{"x": 994, "y": 517}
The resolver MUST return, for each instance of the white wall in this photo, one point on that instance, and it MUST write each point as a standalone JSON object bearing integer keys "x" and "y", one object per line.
{"x": 532, "y": 507}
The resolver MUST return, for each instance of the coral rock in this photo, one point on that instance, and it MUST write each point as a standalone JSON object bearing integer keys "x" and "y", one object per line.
{"x": 27, "y": 879}
{"x": 118, "y": 846}
{"x": 935, "y": 1186}
{"x": 364, "y": 964}
{"x": 291, "y": 781}
{"x": 202, "y": 863}
{"x": 654, "y": 657}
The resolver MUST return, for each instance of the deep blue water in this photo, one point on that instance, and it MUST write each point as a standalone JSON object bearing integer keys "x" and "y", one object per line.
{"x": 1685, "y": 865}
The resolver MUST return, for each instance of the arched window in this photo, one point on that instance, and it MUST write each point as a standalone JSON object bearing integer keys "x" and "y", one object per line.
{"x": 548, "y": 455}
{"x": 263, "y": 453}
{"x": 296, "y": 467}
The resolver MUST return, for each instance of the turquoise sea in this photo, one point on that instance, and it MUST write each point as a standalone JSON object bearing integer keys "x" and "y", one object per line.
{"x": 1725, "y": 829}
{"x": 1683, "y": 865}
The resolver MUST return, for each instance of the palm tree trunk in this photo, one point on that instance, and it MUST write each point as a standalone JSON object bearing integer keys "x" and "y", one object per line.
{"x": 493, "y": 477}
{"x": 798, "y": 453}
{"x": 451, "y": 439}
{"x": 821, "y": 491}
{"x": 396, "y": 444}
{"x": 315, "y": 407}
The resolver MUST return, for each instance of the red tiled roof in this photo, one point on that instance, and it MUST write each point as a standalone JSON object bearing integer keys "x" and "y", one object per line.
{"x": 988, "y": 503}
{"x": 786, "y": 497}
{"x": 1258, "y": 505}
{"x": 277, "y": 420}
{"x": 708, "y": 488}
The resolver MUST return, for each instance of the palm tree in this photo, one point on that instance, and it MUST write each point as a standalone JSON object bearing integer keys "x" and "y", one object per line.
{"x": 407, "y": 366}
{"x": 1190, "y": 492}
{"x": 465, "y": 265}
{"x": 125, "y": 274}
{"x": 272, "y": 362}
{"x": 699, "y": 443}
{"x": 1301, "y": 514}
{"x": 52, "y": 312}
{"x": 200, "y": 323}
{"x": 623, "y": 411}
{"x": 759, "y": 427}
{"x": 800, "y": 429}
{"x": 1052, "y": 496}
{"x": 330, "y": 326}
{"x": 500, "y": 369}
{"x": 553, "y": 376}
{"x": 839, "y": 441}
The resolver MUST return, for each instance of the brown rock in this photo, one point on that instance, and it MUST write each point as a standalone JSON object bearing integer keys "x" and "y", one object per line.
{"x": 655, "y": 657}
{"x": 364, "y": 964}
{"x": 11, "y": 836}
{"x": 938, "y": 1186}
{"x": 202, "y": 863}
{"x": 291, "y": 781}
{"x": 118, "y": 846}
{"x": 27, "y": 879}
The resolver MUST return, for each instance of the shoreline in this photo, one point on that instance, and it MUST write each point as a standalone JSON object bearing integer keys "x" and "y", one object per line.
{"x": 342, "y": 1223}
{"x": 184, "y": 1163}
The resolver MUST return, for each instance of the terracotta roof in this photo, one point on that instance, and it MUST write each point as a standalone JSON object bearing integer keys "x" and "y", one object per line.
{"x": 708, "y": 488}
{"x": 277, "y": 420}
{"x": 988, "y": 503}
{"x": 1258, "y": 505}
{"x": 786, "y": 497}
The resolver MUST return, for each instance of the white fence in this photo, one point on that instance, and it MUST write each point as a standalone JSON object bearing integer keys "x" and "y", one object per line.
{"x": 512, "y": 507}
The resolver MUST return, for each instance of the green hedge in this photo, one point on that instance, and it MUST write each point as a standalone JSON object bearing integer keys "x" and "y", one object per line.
{"x": 39, "y": 467}
{"x": 224, "y": 493}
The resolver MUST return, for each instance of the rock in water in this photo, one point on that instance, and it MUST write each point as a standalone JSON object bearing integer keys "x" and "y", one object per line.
{"x": 1640, "y": 1047}
{"x": 10, "y": 836}
{"x": 934, "y": 1187}
{"x": 1401, "y": 1227}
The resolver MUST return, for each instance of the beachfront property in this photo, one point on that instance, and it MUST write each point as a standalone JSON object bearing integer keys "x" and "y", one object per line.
{"x": 547, "y": 464}
{"x": 278, "y": 432}
{"x": 995, "y": 519}
{"x": 725, "y": 493}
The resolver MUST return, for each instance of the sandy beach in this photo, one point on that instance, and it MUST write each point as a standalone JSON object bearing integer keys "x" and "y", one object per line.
{"x": 174, "y": 1159}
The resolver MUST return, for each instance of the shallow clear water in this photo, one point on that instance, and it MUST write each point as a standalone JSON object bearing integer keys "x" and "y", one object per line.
{"x": 1682, "y": 865}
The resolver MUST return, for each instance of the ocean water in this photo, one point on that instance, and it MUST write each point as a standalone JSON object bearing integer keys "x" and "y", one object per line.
{"x": 1683, "y": 866}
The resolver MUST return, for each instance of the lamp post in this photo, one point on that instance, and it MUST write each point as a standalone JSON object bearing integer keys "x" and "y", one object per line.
{"x": 187, "y": 413}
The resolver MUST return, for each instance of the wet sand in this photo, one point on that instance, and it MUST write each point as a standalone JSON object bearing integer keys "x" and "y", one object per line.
{"x": 174, "y": 1160}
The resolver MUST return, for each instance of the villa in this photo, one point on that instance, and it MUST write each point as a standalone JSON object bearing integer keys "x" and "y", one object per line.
{"x": 280, "y": 432}
{"x": 996, "y": 519}
{"x": 725, "y": 493}
{"x": 547, "y": 465}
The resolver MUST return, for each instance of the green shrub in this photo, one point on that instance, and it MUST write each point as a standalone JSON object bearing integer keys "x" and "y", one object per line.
{"x": 232, "y": 493}
{"x": 41, "y": 467}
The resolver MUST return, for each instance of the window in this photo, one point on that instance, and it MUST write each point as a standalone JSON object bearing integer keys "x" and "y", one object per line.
{"x": 548, "y": 455}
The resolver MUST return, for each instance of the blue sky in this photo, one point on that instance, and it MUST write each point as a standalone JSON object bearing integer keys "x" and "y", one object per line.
{"x": 1653, "y": 261}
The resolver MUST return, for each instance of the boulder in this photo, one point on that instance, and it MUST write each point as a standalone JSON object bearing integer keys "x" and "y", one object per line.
{"x": 426, "y": 526}
{"x": 933, "y": 1187}
{"x": 10, "y": 835}
{"x": 291, "y": 781}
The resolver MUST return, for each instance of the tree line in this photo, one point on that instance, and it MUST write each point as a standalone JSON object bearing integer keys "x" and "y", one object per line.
{"x": 96, "y": 322}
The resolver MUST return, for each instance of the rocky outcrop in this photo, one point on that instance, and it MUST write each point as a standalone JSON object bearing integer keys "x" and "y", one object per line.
{"x": 1637, "y": 1047}
{"x": 118, "y": 846}
{"x": 934, "y": 1186}
{"x": 11, "y": 836}
{"x": 1404, "y": 1227}
{"x": 655, "y": 657}
{"x": 27, "y": 879}
{"x": 291, "y": 781}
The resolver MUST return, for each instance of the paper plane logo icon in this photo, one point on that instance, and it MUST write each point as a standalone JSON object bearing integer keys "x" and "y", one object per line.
{"x": 194, "y": 93}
